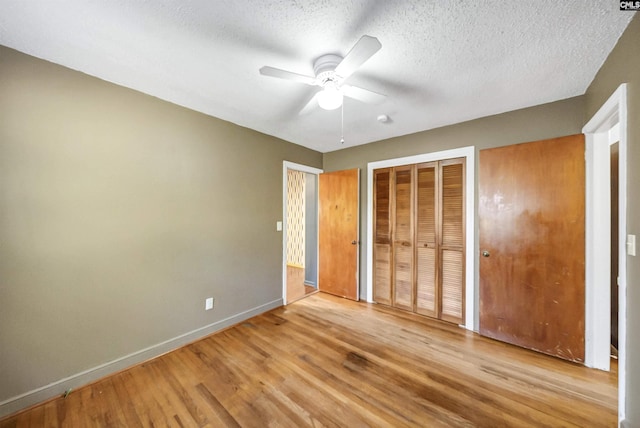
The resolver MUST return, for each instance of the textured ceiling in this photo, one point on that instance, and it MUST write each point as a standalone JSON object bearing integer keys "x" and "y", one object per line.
{"x": 441, "y": 62}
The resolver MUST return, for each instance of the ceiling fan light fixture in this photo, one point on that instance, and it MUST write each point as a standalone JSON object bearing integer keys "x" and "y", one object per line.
{"x": 330, "y": 98}
{"x": 331, "y": 71}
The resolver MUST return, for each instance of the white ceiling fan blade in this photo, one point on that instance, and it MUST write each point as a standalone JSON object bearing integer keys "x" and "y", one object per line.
{"x": 364, "y": 95}
{"x": 362, "y": 51}
{"x": 310, "y": 106}
{"x": 288, "y": 75}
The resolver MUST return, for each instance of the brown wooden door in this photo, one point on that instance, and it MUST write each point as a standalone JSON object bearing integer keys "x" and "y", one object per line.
{"x": 452, "y": 240}
{"x": 427, "y": 296}
{"x": 532, "y": 243}
{"x": 403, "y": 289}
{"x": 338, "y": 229}
{"x": 382, "y": 236}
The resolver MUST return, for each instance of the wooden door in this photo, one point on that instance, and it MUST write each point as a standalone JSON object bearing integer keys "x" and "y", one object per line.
{"x": 338, "y": 229}
{"x": 382, "y": 236}
{"x": 532, "y": 243}
{"x": 452, "y": 239}
{"x": 427, "y": 295}
{"x": 402, "y": 217}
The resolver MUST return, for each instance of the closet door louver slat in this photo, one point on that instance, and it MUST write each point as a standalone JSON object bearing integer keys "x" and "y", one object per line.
{"x": 403, "y": 278}
{"x": 452, "y": 298}
{"x": 452, "y": 212}
{"x": 382, "y": 272}
{"x": 426, "y": 285}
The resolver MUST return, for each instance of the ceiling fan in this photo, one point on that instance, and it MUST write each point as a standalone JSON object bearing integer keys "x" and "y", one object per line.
{"x": 331, "y": 72}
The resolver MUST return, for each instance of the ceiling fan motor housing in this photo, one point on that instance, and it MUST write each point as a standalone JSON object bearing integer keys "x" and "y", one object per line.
{"x": 324, "y": 68}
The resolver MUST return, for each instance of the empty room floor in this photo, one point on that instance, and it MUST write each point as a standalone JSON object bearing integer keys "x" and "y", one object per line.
{"x": 327, "y": 361}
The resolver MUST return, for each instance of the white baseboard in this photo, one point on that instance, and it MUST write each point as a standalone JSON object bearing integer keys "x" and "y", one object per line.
{"x": 57, "y": 388}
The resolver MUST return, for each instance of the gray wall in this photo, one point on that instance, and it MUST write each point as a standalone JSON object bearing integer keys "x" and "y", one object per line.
{"x": 623, "y": 66}
{"x": 531, "y": 124}
{"x": 119, "y": 214}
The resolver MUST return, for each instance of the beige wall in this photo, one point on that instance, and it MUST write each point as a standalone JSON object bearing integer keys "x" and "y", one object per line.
{"x": 119, "y": 215}
{"x": 623, "y": 66}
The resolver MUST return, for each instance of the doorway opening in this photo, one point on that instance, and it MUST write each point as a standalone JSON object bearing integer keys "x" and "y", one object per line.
{"x": 614, "y": 153}
{"x": 300, "y": 231}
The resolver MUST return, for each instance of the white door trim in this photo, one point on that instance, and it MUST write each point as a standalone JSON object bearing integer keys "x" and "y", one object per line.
{"x": 471, "y": 304}
{"x": 609, "y": 122}
{"x": 286, "y": 165}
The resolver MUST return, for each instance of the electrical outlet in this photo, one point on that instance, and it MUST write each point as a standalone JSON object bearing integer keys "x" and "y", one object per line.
{"x": 208, "y": 303}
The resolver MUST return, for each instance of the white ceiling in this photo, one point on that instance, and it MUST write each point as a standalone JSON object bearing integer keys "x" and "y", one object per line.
{"x": 441, "y": 62}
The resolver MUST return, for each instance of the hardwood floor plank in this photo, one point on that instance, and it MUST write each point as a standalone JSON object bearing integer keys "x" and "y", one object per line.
{"x": 178, "y": 395}
{"x": 330, "y": 362}
{"x": 297, "y": 414}
{"x": 113, "y": 410}
{"x": 230, "y": 385}
{"x": 54, "y": 413}
{"x": 222, "y": 414}
{"x": 129, "y": 406}
{"x": 152, "y": 405}
{"x": 37, "y": 417}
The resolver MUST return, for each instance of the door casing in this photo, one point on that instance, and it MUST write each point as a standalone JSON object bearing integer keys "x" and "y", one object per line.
{"x": 610, "y": 118}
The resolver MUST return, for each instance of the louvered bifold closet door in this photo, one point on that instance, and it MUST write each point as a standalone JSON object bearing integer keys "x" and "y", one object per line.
{"x": 382, "y": 238}
{"x": 427, "y": 297}
{"x": 403, "y": 238}
{"x": 452, "y": 240}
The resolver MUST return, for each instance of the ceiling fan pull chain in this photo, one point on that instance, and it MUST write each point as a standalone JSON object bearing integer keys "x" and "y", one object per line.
{"x": 342, "y": 124}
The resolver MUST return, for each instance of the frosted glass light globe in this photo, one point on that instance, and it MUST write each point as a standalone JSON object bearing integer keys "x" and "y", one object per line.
{"x": 330, "y": 98}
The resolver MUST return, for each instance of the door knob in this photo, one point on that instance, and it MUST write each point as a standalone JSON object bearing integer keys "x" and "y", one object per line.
{"x": 485, "y": 253}
{"x": 354, "y": 242}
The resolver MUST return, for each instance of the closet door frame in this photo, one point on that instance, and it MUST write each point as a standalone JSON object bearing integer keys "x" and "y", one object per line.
{"x": 470, "y": 297}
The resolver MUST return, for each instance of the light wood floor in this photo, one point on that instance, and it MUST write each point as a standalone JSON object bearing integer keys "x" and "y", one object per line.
{"x": 325, "y": 361}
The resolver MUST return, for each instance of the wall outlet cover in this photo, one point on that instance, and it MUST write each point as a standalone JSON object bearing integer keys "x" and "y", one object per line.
{"x": 208, "y": 303}
{"x": 631, "y": 245}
